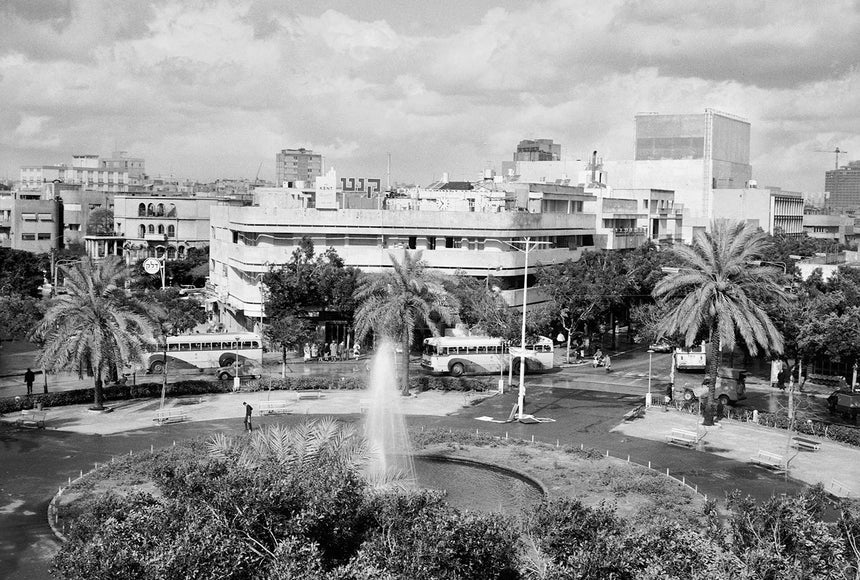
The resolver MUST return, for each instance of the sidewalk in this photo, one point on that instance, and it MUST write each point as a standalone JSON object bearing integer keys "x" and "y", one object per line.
{"x": 137, "y": 414}
{"x": 740, "y": 441}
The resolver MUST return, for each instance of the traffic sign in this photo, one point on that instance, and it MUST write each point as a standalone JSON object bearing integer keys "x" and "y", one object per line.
{"x": 152, "y": 265}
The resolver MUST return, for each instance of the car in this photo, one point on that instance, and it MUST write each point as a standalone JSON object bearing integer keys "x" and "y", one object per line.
{"x": 246, "y": 371}
{"x": 661, "y": 346}
{"x": 731, "y": 387}
{"x": 844, "y": 402}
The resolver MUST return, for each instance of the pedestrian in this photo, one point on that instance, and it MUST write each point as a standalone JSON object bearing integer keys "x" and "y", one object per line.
{"x": 356, "y": 350}
{"x": 341, "y": 351}
{"x": 314, "y": 351}
{"x": 29, "y": 377}
{"x": 307, "y": 352}
{"x": 607, "y": 362}
{"x": 333, "y": 350}
{"x": 248, "y": 409}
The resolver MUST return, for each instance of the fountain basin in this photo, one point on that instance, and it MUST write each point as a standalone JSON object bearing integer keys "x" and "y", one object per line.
{"x": 476, "y": 486}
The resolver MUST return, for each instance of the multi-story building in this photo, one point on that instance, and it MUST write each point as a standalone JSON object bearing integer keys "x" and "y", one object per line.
{"x": 842, "y": 187}
{"x": 773, "y": 209}
{"x": 537, "y": 150}
{"x": 116, "y": 174}
{"x": 155, "y": 226}
{"x": 836, "y": 228}
{"x": 296, "y": 166}
{"x": 37, "y": 225}
{"x": 464, "y": 231}
{"x": 696, "y": 156}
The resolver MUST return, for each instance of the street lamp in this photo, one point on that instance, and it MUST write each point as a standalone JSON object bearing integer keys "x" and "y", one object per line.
{"x": 56, "y": 267}
{"x": 236, "y": 381}
{"x": 528, "y": 244}
{"x": 648, "y": 396}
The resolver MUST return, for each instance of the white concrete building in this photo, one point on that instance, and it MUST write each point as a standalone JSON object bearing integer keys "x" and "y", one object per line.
{"x": 458, "y": 231}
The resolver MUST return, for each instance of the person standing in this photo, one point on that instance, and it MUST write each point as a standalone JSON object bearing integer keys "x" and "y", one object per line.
{"x": 29, "y": 377}
{"x": 333, "y": 350}
{"x": 248, "y": 410}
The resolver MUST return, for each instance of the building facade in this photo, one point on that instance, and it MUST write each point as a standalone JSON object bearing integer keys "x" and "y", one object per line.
{"x": 155, "y": 226}
{"x": 116, "y": 174}
{"x": 842, "y": 188}
{"x": 469, "y": 232}
{"x": 296, "y": 166}
{"x": 772, "y": 209}
{"x": 697, "y": 156}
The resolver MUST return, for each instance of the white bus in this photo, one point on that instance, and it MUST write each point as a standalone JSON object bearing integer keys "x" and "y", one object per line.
{"x": 458, "y": 355}
{"x": 205, "y": 351}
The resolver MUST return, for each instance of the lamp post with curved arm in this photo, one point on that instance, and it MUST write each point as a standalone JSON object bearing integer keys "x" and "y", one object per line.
{"x": 527, "y": 246}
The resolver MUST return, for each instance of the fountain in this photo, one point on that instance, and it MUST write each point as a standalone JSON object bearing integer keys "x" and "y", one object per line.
{"x": 385, "y": 426}
{"x": 469, "y": 485}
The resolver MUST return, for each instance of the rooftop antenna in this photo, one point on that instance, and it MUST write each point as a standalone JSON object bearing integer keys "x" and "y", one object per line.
{"x": 388, "y": 174}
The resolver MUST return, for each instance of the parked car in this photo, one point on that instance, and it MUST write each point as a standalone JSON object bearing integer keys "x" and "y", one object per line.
{"x": 731, "y": 387}
{"x": 661, "y": 346}
{"x": 246, "y": 371}
{"x": 846, "y": 403}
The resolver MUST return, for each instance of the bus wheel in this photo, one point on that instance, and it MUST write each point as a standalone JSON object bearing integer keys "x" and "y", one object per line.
{"x": 457, "y": 369}
{"x": 156, "y": 367}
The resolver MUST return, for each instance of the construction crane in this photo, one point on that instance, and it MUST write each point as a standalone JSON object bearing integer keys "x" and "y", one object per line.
{"x": 257, "y": 177}
{"x": 837, "y": 151}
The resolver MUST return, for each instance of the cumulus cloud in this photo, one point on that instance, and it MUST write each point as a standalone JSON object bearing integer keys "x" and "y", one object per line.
{"x": 210, "y": 88}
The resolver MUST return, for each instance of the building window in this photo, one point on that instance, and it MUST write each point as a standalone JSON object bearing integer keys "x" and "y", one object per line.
{"x": 46, "y": 217}
{"x": 44, "y": 237}
{"x": 74, "y": 227}
{"x": 28, "y": 217}
{"x": 449, "y": 242}
{"x": 150, "y": 229}
{"x": 28, "y": 237}
{"x": 160, "y": 228}
{"x": 180, "y": 251}
{"x": 150, "y": 210}
{"x": 171, "y": 231}
{"x": 412, "y": 242}
{"x": 141, "y": 210}
{"x": 431, "y": 243}
{"x": 159, "y": 209}
{"x": 141, "y": 231}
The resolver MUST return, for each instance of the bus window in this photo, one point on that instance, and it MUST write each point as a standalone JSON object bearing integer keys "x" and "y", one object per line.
{"x": 255, "y": 344}
{"x": 247, "y": 344}
{"x": 184, "y": 346}
{"x": 172, "y": 346}
{"x": 195, "y": 346}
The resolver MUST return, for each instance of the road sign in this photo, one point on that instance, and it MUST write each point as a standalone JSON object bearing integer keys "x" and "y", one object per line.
{"x": 152, "y": 265}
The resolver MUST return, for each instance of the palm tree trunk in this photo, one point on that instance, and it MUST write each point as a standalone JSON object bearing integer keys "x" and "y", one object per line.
{"x": 97, "y": 391}
{"x": 405, "y": 363}
{"x": 713, "y": 368}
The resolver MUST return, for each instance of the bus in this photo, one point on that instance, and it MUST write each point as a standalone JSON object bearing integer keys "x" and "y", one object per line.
{"x": 205, "y": 351}
{"x": 457, "y": 355}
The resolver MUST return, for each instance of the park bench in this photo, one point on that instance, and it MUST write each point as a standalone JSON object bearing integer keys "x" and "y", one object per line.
{"x": 270, "y": 407}
{"x": 32, "y": 418}
{"x": 805, "y": 444}
{"x": 635, "y": 413}
{"x": 839, "y": 489}
{"x": 167, "y": 415}
{"x": 769, "y": 460}
{"x": 682, "y": 437}
{"x": 308, "y": 395}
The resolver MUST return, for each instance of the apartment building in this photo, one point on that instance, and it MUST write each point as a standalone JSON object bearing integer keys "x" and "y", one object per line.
{"x": 473, "y": 232}
{"x": 295, "y": 166}
{"x": 116, "y": 174}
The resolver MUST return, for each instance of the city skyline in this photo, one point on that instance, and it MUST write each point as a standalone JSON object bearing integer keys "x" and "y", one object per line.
{"x": 215, "y": 89}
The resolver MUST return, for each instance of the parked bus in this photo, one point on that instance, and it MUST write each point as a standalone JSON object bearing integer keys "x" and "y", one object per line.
{"x": 205, "y": 351}
{"x": 458, "y": 355}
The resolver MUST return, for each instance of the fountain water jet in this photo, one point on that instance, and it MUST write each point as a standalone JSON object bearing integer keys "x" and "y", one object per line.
{"x": 385, "y": 425}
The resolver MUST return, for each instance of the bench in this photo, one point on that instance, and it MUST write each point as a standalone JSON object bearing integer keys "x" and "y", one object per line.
{"x": 32, "y": 418}
{"x": 635, "y": 413}
{"x": 805, "y": 444}
{"x": 682, "y": 437}
{"x": 769, "y": 460}
{"x": 838, "y": 489}
{"x": 308, "y": 395}
{"x": 270, "y": 407}
{"x": 166, "y": 415}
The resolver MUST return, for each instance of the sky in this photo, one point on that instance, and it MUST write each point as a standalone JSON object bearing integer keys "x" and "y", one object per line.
{"x": 209, "y": 89}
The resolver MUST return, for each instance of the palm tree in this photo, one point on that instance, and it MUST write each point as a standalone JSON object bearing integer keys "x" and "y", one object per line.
{"x": 94, "y": 327}
{"x": 715, "y": 292}
{"x": 392, "y": 304}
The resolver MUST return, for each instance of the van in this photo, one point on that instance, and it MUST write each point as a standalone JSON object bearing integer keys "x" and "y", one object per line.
{"x": 731, "y": 387}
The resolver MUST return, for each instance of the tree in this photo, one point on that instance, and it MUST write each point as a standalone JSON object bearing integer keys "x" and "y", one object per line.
{"x": 20, "y": 274}
{"x": 94, "y": 327}
{"x": 180, "y": 313}
{"x": 100, "y": 223}
{"x": 714, "y": 288}
{"x": 18, "y": 316}
{"x": 392, "y": 304}
{"x": 289, "y": 331}
{"x": 481, "y": 307}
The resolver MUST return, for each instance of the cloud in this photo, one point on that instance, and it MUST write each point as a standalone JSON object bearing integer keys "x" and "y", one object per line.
{"x": 213, "y": 87}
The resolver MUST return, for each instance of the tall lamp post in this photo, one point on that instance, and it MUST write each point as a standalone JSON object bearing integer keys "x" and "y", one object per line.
{"x": 648, "y": 396}
{"x": 527, "y": 244}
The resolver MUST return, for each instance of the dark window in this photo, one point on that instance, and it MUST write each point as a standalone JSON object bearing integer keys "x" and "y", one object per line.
{"x": 28, "y": 236}
{"x": 235, "y": 237}
{"x": 449, "y": 242}
{"x": 431, "y": 243}
{"x": 412, "y": 242}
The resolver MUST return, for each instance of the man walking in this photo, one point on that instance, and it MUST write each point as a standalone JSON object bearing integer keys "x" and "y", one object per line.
{"x": 248, "y": 409}
{"x": 29, "y": 377}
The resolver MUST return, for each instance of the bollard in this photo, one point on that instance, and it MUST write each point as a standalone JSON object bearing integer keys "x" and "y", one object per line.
{"x": 607, "y": 453}
{"x": 152, "y": 449}
{"x": 628, "y": 459}
{"x": 82, "y": 473}
{"x": 70, "y": 480}
{"x": 582, "y": 446}
{"x": 697, "y": 488}
{"x": 476, "y": 432}
{"x": 556, "y": 442}
{"x": 174, "y": 443}
{"x": 533, "y": 438}
{"x": 649, "y": 465}
{"x": 667, "y": 472}
{"x": 684, "y": 479}
{"x": 506, "y": 435}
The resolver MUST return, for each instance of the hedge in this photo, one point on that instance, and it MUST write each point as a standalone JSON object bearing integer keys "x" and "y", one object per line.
{"x": 420, "y": 383}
